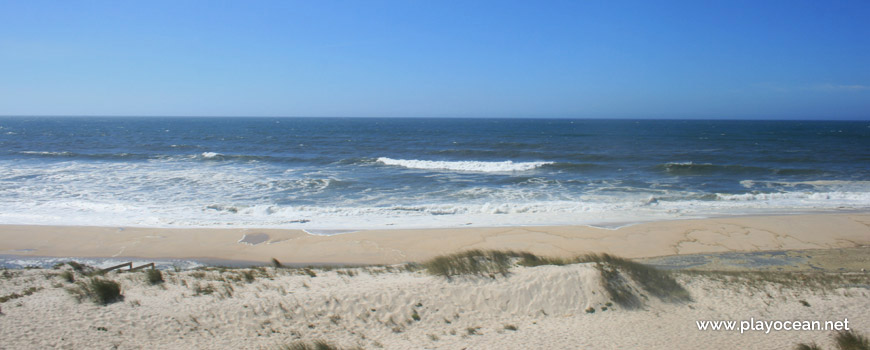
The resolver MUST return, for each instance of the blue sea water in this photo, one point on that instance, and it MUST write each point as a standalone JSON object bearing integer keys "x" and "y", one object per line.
{"x": 325, "y": 174}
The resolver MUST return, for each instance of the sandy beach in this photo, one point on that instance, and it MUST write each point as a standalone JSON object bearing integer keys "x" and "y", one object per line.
{"x": 751, "y": 233}
{"x": 511, "y": 175}
{"x": 397, "y": 306}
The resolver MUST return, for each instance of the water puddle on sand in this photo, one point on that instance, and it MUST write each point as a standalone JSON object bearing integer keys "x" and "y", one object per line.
{"x": 254, "y": 238}
{"x": 317, "y": 232}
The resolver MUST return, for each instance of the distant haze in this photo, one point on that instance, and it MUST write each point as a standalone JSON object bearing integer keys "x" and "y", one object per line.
{"x": 554, "y": 59}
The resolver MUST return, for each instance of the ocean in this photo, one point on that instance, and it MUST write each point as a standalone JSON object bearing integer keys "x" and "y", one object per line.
{"x": 332, "y": 175}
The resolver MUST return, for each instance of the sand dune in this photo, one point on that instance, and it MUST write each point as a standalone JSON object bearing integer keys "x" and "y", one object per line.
{"x": 387, "y": 307}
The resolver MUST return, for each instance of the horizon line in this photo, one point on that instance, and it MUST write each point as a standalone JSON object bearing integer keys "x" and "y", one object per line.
{"x": 425, "y": 117}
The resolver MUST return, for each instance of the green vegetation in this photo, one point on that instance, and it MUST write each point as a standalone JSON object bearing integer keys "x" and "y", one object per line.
{"x": 490, "y": 262}
{"x": 101, "y": 291}
{"x": 105, "y": 291}
{"x": 845, "y": 340}
{"x": 75, "y": 266}
{"x": 316, "y": 345}
{"x": 25, "y": 293}
{"x": 68, "y": 276}
{"x": 199, "y": 289}
{"x": 249, "y": 276}
{"x": 849, "y": 340}
{"x": 472, "y": 262}
{"x": 654, "y": 281}
{"x": 529, "y": 260}
{"x": 153, "y": 276}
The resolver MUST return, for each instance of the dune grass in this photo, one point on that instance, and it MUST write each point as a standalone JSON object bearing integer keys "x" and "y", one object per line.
{"x": 25, "y": 293}
{"x": 105, "y": 291}
{"x": 153, "y": 276}
{"x": 617, "y": 273}
{"x": 471, "y": 262}
{"x": 315, "y": 345}
{"x": 849, "y": 340}
{"x": 654, "y": 281}
{"x": 529, "y": 260}
{"x": 68, "y": 276}
{"x": 100, "y": 291}
{"x": 845, "y": 340}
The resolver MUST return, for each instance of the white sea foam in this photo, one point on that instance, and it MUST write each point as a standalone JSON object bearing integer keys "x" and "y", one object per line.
{"x": 46, "y": 153}
{"x": 685, "y": 164}
{"x": 211, "y": 155}
{"x": 474, "y": 166}
{"x": 181, "y": 192}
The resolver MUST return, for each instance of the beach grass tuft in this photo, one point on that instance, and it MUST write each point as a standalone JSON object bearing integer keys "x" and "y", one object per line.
{"x": 315, "y": 345}
{"x": 845, "y": 340}
{"x": 471, "y": 262}
{"x": 206, "y": 289}
{"x": 849, "y": 340}
{"x": 68, "y": 276}
{"x": 654, "y": 281}
{"x": 308, "y": 271}
{"x": 153, "y": 276}
{"x": 99, "y": 290}
{"x": 25, "y": 293}
{"x": 249, "y": 276}
{"x": 105, "y": 291}
{"x": 529, "y": 260}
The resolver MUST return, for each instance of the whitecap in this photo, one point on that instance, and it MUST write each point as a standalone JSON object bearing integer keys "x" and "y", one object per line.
{"x": 473, "y": 166}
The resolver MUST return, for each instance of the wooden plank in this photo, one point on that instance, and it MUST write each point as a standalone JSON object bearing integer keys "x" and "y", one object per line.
{"x": 142, "y": 267}
{"x": 129, "y": 264}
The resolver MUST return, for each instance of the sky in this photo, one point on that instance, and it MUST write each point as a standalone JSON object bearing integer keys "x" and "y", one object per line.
{"x": 553, "y": 59}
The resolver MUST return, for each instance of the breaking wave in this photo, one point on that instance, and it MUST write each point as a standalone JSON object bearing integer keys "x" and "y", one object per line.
{"x": 474, "y": 166}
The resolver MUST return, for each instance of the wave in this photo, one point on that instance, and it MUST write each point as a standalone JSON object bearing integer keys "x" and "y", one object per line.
{"x": 46, "y": 153}
{"x": 204, "y": 156}
{"x": 97, "y": 156}
{"x": 472, "y": 166}
{"x": 691, "y": 168}
{"x": 485, "y": 210}
{"x": 803, "y": 197}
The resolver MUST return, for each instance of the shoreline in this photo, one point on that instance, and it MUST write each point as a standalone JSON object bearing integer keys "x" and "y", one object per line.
{"x": 389, "y": 246}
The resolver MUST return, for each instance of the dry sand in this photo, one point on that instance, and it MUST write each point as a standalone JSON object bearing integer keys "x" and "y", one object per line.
{"x": 375, "y": 307}
{"x": 755, "y": 233}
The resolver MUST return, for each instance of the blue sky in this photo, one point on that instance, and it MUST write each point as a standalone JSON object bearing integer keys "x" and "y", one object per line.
{"x": 582, "y": 59}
